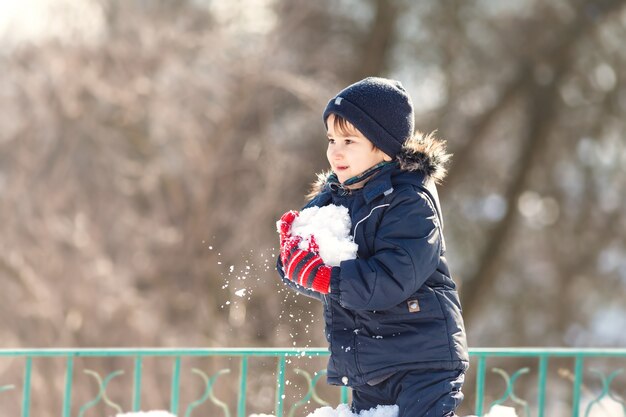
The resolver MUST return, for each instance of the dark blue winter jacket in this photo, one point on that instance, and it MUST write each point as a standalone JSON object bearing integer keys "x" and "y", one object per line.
{"x": 395, "y": 307}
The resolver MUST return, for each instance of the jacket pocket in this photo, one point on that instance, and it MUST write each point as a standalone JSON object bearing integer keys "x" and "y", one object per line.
{"x": 399, "y": 337}
{"x": 423, "y": 305}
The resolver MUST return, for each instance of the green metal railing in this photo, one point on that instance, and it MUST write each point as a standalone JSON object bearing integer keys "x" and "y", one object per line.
{"x": 480, "y": 357}
{"x": 543, "y": 357}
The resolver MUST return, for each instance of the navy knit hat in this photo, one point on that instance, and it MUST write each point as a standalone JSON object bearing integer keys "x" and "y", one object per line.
{"x": 380, "y": 108}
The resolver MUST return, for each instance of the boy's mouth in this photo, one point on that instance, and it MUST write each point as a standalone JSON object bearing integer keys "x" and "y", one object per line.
{"x": 341, "y": 168}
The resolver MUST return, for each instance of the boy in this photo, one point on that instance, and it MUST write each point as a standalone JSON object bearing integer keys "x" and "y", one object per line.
{"x": 393, "y": 317}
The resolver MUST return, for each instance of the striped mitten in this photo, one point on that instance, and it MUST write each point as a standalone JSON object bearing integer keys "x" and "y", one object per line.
{"x": 307, "y": 268}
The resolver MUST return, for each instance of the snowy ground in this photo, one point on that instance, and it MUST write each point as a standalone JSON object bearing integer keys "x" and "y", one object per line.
{"x": 343, "y": 410}
{"x": 604, "y": 408}
{"x": 386, "y": 411}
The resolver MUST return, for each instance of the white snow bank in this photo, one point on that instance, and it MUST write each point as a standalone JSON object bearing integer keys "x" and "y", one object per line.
{"x": 605, "y": 408}
{"x": 501, "y": 411}
{"x": 343, "y": 410}
{"x": 331, "y": 227}
{"x": 392, "y": 411}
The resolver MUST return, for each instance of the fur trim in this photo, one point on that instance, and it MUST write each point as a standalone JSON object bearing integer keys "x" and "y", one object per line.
{"x": 425, "y": 153}
{"x": 421, "y": 153}
{"x": 318, "y": 185}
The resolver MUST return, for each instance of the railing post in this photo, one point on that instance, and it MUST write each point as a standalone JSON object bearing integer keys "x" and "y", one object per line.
{"x": 344, "y": 395}
{"x": 26, "y": 393}
{"x": 480, "y": 384}
{"x": 578, "y": 379}
{"x": 241, "y": 406}
{"x": 67, "y": 400}
{"x": 137, "y": 384}
{"x": 280, "y": 386}
{"x": 175, "y": 387}
{"x": 543, "y": 376}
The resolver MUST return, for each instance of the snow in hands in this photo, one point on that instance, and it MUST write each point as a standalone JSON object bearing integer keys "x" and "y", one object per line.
{"x": 330, "y": 225}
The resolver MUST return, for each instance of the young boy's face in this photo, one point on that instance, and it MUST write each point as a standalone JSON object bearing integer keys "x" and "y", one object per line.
{"x": 349, "y": 152}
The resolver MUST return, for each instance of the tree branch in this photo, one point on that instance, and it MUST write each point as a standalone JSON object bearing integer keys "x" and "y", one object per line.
{"x": 542, "y": 110}
{"x": 378, "y": 42}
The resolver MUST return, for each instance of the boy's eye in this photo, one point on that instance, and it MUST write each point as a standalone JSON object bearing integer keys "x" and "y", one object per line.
{"x": 348, "y": 141}
{"x": 331, "y": 140}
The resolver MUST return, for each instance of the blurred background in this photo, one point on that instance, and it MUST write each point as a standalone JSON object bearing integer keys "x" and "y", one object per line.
{"x": 148, "y": 147}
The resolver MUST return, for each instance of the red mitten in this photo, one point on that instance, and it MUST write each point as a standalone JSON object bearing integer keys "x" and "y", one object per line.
{"x": 306, "y": 267}
{"x": 284, "y": 224}
{"x": 287, "y": 241}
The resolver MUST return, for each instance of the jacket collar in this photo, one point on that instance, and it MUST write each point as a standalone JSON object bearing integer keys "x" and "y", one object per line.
{"x": 422, "y": 159}
{"x": 380, "y": 184}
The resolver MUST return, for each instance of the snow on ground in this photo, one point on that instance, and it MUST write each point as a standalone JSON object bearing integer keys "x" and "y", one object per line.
{"x": 331, "y": 227}
{"x": 343, "y": 410}
{"x": 501, "y": 411}
{"x": 605, "y": 408}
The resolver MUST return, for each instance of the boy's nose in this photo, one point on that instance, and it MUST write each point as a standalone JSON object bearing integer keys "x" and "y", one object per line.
{"x": 337, "y": 152}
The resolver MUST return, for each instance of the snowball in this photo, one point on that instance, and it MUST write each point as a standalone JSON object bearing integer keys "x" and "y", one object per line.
{"x": 331, "y": 227}
{"x": 158, "y": 413}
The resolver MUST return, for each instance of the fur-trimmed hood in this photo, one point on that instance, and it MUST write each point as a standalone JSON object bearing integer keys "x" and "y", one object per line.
{"x": 422, "y": 153}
